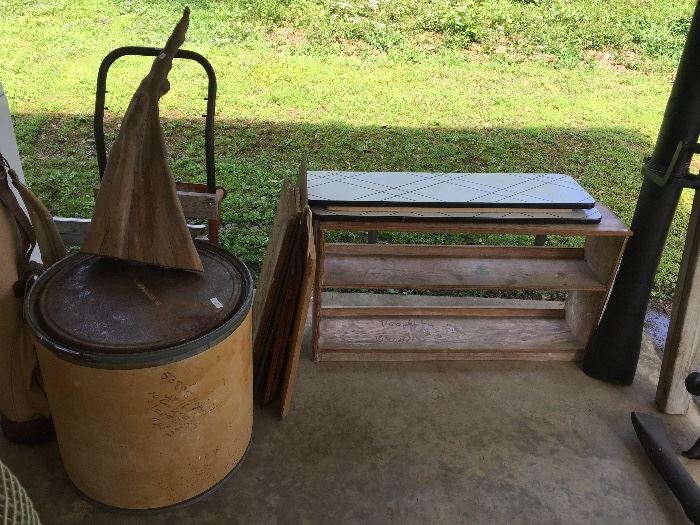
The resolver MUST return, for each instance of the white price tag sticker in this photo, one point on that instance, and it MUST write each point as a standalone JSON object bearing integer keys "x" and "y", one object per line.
{"x": 216, "y": 303}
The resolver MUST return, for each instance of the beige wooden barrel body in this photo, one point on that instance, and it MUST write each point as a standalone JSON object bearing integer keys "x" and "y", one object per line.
{"x": 148, "y": 373}
{"x": 153, "y": 437}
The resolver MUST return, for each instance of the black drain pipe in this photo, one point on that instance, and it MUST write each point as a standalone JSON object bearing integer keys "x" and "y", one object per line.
{"x": 651, "y": 432}
{"x": 613, "y": 351}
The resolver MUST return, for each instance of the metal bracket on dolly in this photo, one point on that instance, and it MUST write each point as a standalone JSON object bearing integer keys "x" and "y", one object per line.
{"x": 676, "y": 170}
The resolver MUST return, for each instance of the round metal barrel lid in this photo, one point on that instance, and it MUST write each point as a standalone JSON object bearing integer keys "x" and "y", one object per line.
{"x": 115, "y": 314}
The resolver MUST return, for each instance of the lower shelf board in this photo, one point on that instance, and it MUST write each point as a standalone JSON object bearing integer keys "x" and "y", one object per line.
{"x": 444, "y": 333}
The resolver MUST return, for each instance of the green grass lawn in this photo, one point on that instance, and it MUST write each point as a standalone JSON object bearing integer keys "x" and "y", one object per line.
{"x": 575, "y": 87}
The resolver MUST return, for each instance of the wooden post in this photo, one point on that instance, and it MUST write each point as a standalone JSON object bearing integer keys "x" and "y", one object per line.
{"x": 683, "y": 340}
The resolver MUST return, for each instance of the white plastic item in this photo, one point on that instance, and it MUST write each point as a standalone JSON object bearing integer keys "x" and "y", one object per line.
{"x": 15, "y": 506}
{"x": 8, "y": 141}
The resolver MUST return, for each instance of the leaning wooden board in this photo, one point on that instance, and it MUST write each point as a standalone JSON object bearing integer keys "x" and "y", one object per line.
{"x": 292, "y": 363}
{"x": 272, "y": 272}
{"x": 278, "y": 337}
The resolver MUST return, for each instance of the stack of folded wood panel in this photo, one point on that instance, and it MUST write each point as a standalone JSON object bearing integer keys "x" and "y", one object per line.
{"x": 282, "y": 299}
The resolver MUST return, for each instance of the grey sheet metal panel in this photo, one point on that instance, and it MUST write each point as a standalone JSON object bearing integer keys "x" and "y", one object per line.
{"x": 486, "y": 190}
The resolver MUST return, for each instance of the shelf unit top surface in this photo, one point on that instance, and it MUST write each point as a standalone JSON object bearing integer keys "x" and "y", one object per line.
{"x": 518, "y": 215}
{"x": 609, "y": 225}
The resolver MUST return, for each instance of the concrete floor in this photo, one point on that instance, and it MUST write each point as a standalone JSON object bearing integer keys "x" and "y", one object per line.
{"x": 450, "y": 442}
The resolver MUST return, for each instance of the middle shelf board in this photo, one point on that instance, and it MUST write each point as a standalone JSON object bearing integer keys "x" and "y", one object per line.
{"x": 375, "y": 266}
{"x": 446, "y": 333}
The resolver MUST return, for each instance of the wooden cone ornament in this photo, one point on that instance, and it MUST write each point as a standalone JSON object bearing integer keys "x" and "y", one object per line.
{"x": 138, "y": 216}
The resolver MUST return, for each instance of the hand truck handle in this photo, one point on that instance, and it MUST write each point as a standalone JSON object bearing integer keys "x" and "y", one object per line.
{"x": 98, "y": 120}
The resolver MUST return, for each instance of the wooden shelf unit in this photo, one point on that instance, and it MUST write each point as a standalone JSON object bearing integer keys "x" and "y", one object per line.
{"x": 461, "y": 333}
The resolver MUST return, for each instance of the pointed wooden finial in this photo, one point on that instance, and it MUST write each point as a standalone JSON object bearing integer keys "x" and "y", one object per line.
{"x": 138, "y": 216}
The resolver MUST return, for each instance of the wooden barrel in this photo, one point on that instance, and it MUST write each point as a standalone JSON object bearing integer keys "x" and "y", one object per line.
{"x": 148, "y": 372}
